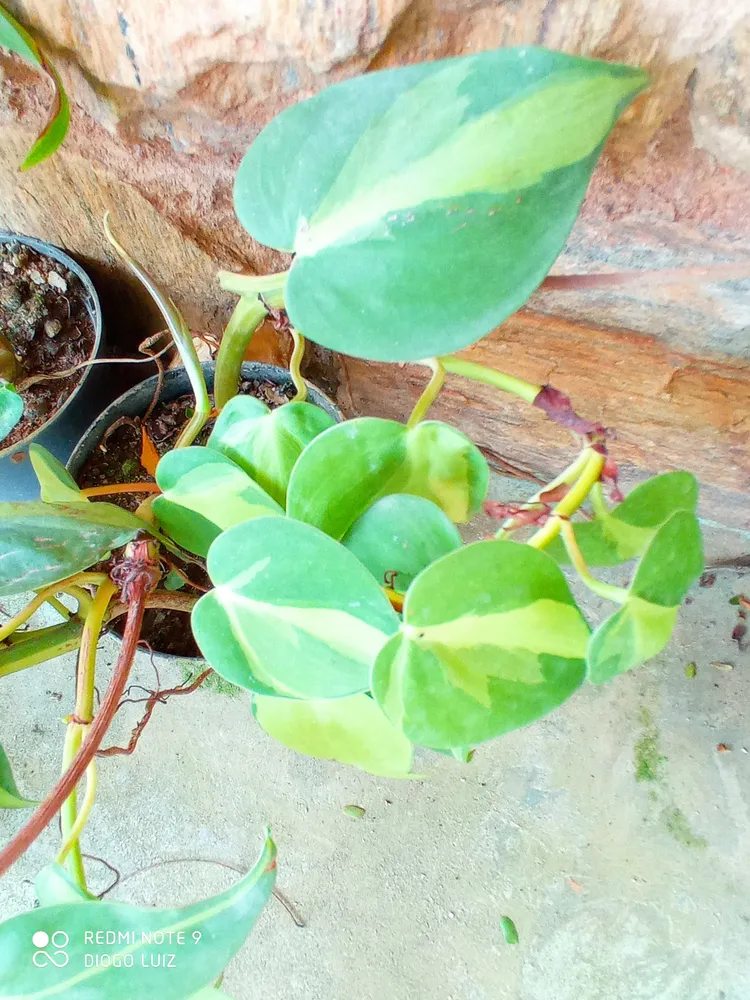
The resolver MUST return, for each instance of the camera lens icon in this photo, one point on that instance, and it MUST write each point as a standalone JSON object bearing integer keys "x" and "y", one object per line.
{"x": 59, "y": 941}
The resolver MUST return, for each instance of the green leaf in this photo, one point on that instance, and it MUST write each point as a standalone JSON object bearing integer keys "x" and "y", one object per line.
{"x": 55, "y": 482}
{"x": 347, "y": 468}
{"x": 349, "y": 730}
{"x": 212, "y": 932}
{"x": 53, "y": 885}
{"x": 399, "y": 536}
{"x": 629, "y": 528}
{"x": 10, "y": 797}
{"x": 267, "y": 443}
{"x": 293, "y": 613}
{"x": 11, "y": 407}
{"x": 42, "y": 543}
{"x": 424, "y": 204}
{"x": 510, "y": 934}
{"x": 15, "y": 38}
{"x": 203, "y": 494}
{"x": 491, "y": 640}
{"x": 643, "y": 625}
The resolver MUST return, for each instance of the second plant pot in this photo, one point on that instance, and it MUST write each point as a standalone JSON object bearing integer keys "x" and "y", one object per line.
{"x": 176, "y": 384}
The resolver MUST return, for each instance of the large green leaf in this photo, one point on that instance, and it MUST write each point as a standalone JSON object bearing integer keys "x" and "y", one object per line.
{"x": 203, "y": 494}
{"x": 491, "y": 640}
{"x": 10, "y": 797}
{"x": 55, "y": 482}
{"x": 347, "y": 468}
{"x": 11, "y": 408}
{"x": 643, "y": 625}
{"x": 202, "y": 938}
{"x": 15, "y": 37}
{"x": 350, "y": 730}
{"x": 425, "y": 204}
{"x": 42, "y": 543}
{"x": 293, "y": 613}
{"x": 630, "y": 526}
{"x": 266, "y": 443}
{"x": 399, "y": 536}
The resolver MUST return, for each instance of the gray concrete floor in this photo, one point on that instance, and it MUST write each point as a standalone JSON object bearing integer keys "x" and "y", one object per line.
{"x": 621, "y": 889}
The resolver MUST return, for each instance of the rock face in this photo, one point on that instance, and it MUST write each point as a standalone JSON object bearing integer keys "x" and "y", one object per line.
{"x": 167, "y": 96}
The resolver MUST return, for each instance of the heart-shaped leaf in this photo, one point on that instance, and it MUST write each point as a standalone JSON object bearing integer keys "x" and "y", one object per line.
{"x": 347, "y": 468}
{"x": 11, "y": 408}
{"x": 399, "y": 536}
{"x": 42, "y": 543}
{"x": 643, "y": 625}
{"x": 425, "y": 204}
{"x": 201, "y": 938}
{"x": 10, "y": 797}
{"x": 267, "y": 443}
{"x": 55, "y": 482}
{"x": 630, "y": 526}
{"x": 491, "y": 640}
{"x": 350, "y": 730}
{"x": 293, "y": 613}
{"x": 203, "y": 494}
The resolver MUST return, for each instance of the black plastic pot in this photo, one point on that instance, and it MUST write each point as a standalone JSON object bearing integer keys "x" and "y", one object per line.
{"x": 135, "y": 402}
{"x": 64, "y": 428}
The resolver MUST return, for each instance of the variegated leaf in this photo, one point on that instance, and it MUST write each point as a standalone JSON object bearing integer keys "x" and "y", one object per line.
{"x": 347, "y": 468}
{"x": 628, "y": 529}
{"x": 426, "y": 203}
{"x": 491, "y": 640}
{"x": 267, "y": 443}
{"x": 643, "y": 625}
{"x": 349, "y": 730}
{"x": 293, "y": 613}
{"x": 203, "y": 493}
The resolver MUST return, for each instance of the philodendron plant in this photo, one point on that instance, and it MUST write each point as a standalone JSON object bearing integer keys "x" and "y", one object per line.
{"x": 423, "y": 206}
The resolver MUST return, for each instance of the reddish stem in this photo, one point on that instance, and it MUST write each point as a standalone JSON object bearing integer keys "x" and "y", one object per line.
{"x": 93, "y": 740}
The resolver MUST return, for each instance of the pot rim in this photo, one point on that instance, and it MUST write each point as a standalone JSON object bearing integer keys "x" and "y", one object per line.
{"x": 95, "y": 312}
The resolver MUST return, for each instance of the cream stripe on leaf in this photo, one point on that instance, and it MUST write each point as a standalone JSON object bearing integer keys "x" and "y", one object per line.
{"x": 267, "y": 443}
{"x": 293, "y": 613}
{"x": 642, "y": 627}
{"x": 426, "y": 203}
{"x": 346, "y": 469}
{"x": 203, "y": 494}
{"x": 491, "y": 640}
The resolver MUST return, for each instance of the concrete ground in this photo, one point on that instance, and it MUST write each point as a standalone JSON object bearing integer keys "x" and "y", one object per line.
{"x": 614, "y": 833}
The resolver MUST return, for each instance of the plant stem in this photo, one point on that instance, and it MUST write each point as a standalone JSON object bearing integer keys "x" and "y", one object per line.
{"x": 607, "y": 590}
{"x": 294, "y": 365}
{"x": 508, "y": 383}
{"x": 571, "y": 501}
{"x": 93, "y": 740}
{"x": 27, "y": 649}
{"x": 253, "y": 284}
{"x": 43, "y": 596}
{"x": 166, "y": 599}
{"x": 103, "y": 491}
{"x": 430, "y": 392}
{"x": 598, "y": 502}
{"x": 70, "y": 818}
{"x": 248, "y": 315}
{"x": 568, "y": 475}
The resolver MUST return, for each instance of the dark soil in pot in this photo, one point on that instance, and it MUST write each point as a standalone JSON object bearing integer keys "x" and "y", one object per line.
{"x": 165, "y": 631}
{"x": 45, "y": 317}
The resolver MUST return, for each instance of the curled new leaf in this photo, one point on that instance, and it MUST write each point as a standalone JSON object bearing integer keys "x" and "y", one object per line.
{"x": 15, "y": 38}
{"x": 491, "y": 640}
{"x": 55, "y": 482}
{"x": 424, "y": 204}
